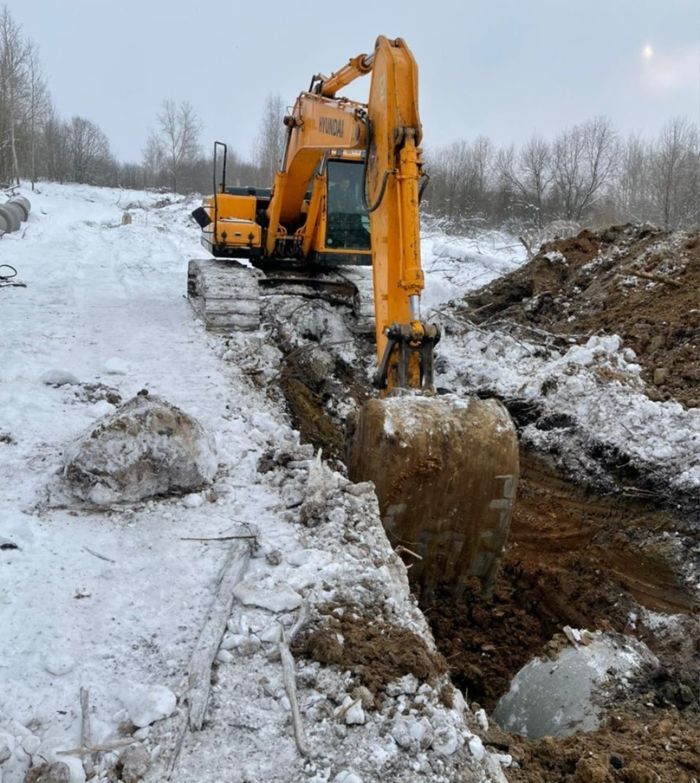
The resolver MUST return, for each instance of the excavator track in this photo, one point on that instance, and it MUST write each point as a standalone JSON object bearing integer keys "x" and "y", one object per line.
{"x": 228, "y": 296}
{"x": 225, "y": 294}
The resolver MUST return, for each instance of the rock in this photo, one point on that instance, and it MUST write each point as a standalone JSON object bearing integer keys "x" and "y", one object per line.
{"x": 59, "y": 664}
{"x": 147, "y": 704}
{"x": 407, "y": 684}
{"x": 660, "y": 376}
{"x": 193, "y": 500}
{"x": 365, "y": 696}
{"x": 146, "y": 447}
{"x": 59, "y": 378}
{"x": 482, "y": 719}
{"x": 476, "y": 748}
{"x": 224, "y": 656}
{"x": 446, "y": 740}
{"x": 280, "y": 598}
{"x": 135, "y": 761}
{"x": 354, "y": 715}
{"x": 58, "y": 772}
{"x": 409, "y": 733}
{"x": 347, "y": 776}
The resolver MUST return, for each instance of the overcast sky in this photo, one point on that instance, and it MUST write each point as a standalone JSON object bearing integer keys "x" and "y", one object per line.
{"x": 502, "y": 68}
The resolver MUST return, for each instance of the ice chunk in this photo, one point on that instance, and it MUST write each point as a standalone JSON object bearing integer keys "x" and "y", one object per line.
{"x": 148, "y": 703}
{"x": 278, "y": 598}
{"x": 59, "y": 378}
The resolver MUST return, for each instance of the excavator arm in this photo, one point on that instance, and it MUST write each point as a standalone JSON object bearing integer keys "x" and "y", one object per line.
{"x": 388, "y": 131}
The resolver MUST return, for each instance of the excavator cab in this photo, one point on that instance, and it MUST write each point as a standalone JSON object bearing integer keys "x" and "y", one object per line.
{"x": 347, "y": 220}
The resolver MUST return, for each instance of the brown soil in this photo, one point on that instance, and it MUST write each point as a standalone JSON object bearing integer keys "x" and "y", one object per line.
{"x": 632, "y": 747}
{"x": 638, "y": 282}
{"x": 309, "y": 378}
{"x": 374, "y": 649}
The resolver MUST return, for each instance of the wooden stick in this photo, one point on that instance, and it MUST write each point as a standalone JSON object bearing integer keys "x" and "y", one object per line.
{"x": 401, "y": 548}
{"x": 653, "y": 278}
{"x": 97, "y": 554}
{"x": 105, "y": 747}
{"x": 220, "y": 538}
{"x": 289, "y": 679}
{"x": 85, "y": 740}
{"x": 199, "y": 676}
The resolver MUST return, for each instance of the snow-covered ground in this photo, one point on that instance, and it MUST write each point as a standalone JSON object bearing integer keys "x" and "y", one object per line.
{"x": 113, "y": 601}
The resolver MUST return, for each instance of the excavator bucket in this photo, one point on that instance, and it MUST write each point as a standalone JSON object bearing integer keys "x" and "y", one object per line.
{"x": 445, "y": 471}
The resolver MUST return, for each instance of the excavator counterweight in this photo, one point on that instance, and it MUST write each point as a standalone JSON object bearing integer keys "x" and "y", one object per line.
{"x": 347, "y": 195}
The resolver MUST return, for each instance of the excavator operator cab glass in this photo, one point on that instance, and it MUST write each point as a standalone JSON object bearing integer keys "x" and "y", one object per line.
{"x": 347, "y": 221}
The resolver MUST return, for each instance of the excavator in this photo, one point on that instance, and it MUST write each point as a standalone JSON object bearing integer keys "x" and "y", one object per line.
{"x": 346, "y": 195}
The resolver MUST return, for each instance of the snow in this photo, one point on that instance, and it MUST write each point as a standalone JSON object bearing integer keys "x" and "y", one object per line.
{"x": 113, "y": 600}
{"x": 595, "y": 385}
{"x": 147, "y": 704}
{"x": 454, "y": 265}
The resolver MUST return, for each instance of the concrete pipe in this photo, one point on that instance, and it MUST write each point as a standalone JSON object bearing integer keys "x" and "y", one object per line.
{"x": 11, "y": 217}
{"x": 24, "y": 205}
{"x": 18, "y": 209}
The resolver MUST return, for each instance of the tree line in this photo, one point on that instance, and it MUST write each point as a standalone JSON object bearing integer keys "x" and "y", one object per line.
{"x": 587, "y": 173}
{"x": 37, "y": 143}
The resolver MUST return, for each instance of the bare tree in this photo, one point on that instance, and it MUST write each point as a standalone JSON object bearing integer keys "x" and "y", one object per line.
{"x": 37, "y": 106}
{"x": 177, "y": 140}
{"x": 584, "y": 161}
{"x": 153, "y": 160}
{"x": 88, "y": 150}
{"x": 13, "y": 62}
{"x": 675, "y": 175}
{"x": 529, "y": 174}
{"x": 269, "y": 145}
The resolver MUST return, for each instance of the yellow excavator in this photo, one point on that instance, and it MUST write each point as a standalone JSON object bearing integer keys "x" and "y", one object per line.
{"x": 346, "y": 195}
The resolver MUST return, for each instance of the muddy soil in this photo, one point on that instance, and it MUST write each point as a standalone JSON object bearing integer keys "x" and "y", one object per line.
{"x": 635, "y": 281}
{"x": 633, "y": 746}
{"x": 374, "y": 649}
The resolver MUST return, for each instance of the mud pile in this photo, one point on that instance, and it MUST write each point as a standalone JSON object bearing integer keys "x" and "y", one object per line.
{"x": 635, "y": 281}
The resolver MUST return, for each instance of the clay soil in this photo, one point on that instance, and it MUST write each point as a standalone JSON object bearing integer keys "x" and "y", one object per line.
{"x": 575, "y": 557}
{"x": 638, "y": 282}
{"x": 374, "y": 649}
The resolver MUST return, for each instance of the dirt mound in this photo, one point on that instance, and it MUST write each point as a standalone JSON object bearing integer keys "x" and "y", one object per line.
{"x": 375, "y": 650}
{"x": 629, "y": 748}
{"x": 635, "y": 281}
{"x": 581, "y": 553}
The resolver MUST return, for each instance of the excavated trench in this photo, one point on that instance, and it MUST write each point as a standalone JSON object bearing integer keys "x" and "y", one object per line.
{"x": 577, "y": 558}
{"x": 613, "y": 551}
